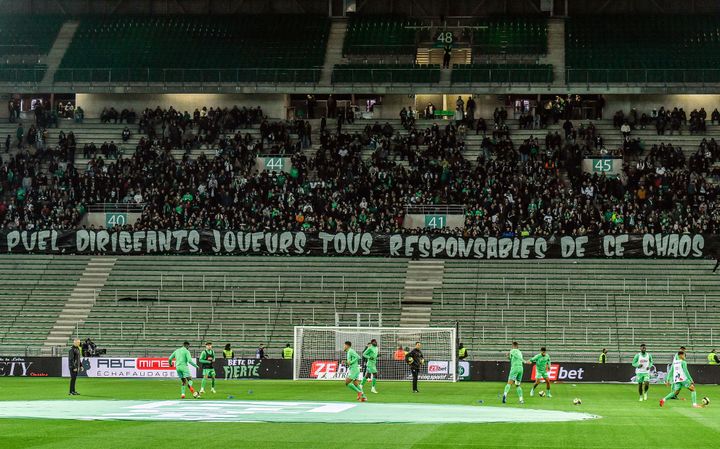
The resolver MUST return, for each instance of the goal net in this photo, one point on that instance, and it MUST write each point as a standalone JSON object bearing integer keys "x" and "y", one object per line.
{"x": 319, "y": 351}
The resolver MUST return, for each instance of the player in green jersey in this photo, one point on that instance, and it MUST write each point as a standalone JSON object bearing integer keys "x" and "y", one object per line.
{"x": 675, "y": 357}
{"x": 206, "y": 362}
{"x": 516, "y": 373}
{"x": 182, "y": 359}
{"x": 352, "y": 381}
{"x": 680, "y": 378}
{"x": 542, "y": 363}
{"x": 371, "y": 355}
{"x": 642, "y": 363}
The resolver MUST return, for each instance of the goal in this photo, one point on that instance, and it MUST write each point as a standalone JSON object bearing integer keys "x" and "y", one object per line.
{"x": 319, "y": 351}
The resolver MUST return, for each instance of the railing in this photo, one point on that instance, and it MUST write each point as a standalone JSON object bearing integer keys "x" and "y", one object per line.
{"x": 117, "y": 207}
{"x": 435, "y": 209}
{"x": 387, "y": 75}
{"x": 164, "y": 76}
{"x": 18, "y": 50}
{"x": 510, "y": 76}
{"x": 643, "y": 76}
{"x": 22, "y": 75}
{"x": 189, "y": 76}
{"x": 381, "y": 50}
{"x": 224, "y": 281}
{"x": 256, "y": 297}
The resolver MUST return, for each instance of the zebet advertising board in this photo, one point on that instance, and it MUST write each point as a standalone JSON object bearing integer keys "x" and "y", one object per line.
{"x": 140, "y": 367}
{"x": 335, "y": 370}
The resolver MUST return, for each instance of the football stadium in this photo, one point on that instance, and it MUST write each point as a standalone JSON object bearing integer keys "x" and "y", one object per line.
{"x": 359, "y": 223}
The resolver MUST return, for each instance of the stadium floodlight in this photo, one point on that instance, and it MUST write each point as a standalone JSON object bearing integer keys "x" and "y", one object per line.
{"x": 319, "y": 351}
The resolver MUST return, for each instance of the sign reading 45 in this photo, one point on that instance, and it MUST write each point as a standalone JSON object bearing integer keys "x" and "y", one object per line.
{"x": 602, "y": 165}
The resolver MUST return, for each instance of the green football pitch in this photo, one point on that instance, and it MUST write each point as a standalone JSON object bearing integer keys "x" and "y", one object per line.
{"x": 37, "y": 413}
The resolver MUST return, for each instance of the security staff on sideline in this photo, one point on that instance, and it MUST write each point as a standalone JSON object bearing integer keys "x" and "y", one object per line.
{"x": 228, "y": 352}
{"x": 287, "y": 352}
{"x": 713, "y": 358}
{"x": 462, "y": 352}
{"x": 75, "y": 365}
{"x": 603, "y": 357}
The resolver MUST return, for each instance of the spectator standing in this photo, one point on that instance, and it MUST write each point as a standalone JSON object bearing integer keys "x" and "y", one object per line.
{"x": 19, "y": 135}
{"x": 74, "y": 364}
{"x": 446, "y": 56}
{"x": 416, "y": 360}
{"x": 331, "y": 106}
{"x": 470, "y": 106}
{"x": 260, "y": 353}
{"x": 625, "y": 129}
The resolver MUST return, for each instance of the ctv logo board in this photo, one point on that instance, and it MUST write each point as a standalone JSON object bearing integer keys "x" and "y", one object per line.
{"x": 141, "y": 367}
{"x": 557, "y": 372}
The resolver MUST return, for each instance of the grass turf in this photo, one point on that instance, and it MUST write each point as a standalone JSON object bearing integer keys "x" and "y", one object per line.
{"x": 625, "y": 422}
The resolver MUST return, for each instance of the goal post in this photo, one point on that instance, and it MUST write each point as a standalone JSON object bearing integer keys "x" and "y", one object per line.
{"x": 319, "y": 351}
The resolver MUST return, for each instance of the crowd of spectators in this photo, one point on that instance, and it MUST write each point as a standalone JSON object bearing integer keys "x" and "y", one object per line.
{"x": 508, "y": 190}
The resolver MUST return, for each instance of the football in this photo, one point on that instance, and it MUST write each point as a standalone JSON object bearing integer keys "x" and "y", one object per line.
{"x": 541, "y": 394}
{"x": 706, "y": 401}
{"x": 577, "y": 401}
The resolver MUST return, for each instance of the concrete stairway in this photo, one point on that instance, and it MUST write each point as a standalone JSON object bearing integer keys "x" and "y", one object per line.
{"x": 333, "y": 53}
{"x": 62, "y": 42}
{"x": 81, "y": 300}
{"x": 446, "y": 76}
{"x": 422, "y": 277}
{"x": 556, "y": 49}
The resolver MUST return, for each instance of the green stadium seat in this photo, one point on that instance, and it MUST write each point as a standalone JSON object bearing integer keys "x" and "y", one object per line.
{"x": 197, "y": 49}
{"x": 629, "y": 49}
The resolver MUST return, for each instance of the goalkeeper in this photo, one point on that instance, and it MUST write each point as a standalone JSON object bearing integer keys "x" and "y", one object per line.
{"x": 207, "y": 357}
{"x": 371, "y": 355}
{"x": 416, "y": 360}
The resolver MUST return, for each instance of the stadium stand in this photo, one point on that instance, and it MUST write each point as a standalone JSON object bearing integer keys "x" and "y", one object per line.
{"x": 35, "y": 291}
{"x": 150, "y": 303}
{"x": 511, "y": 35}
{"x": 579, "y": 306}
{"x": 31, "y": 35}
{"x": 456, "y": 156}
{"x": 380, "y": 35}
{"x": 502, "y": 73}
{"x": 176, "y": 49}
{"x": 22, "y": 73}
{"x": 386, "y": 73}
{"x": 629, "y": 49}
